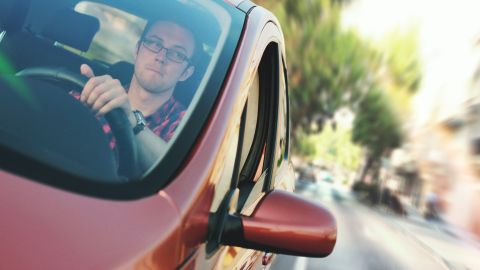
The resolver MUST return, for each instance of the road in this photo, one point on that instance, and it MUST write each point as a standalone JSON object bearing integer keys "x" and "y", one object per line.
{"x": 370, "y": 239}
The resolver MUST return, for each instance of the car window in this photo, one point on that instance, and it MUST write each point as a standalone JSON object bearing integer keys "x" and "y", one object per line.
{"x": 251, "y": 118}
{"x": 281, "y": 154}
{"x": 259, "y": 142}
{"x": 186, "y": 48}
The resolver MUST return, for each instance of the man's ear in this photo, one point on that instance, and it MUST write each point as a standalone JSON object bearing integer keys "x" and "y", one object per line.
{"x": 187, "y": 73}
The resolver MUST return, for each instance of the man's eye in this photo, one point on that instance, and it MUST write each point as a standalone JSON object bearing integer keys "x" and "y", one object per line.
{"x": 178, "y": 55}
{"x": 152, "y": 42}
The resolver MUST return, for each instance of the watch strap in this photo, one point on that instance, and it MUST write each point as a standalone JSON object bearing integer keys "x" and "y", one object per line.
{"x": 141, "y": 123}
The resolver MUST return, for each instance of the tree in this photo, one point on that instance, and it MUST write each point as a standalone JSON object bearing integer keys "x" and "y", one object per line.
{"x": 328, "y": 67}
{"x": 401, "y": 54}
{"x": 376, "y": 127}
{"x": 401, "y": 74}
{"x": 333, "y": 146}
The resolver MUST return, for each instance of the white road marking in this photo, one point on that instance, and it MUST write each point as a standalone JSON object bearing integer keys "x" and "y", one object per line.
{"x": 300, "y": 263}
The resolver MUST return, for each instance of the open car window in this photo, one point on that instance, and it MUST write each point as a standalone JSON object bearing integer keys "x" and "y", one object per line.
{"x": 44, "y": 125}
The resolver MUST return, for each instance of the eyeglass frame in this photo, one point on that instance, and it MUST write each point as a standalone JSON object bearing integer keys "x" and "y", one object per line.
{"x": 168, "y": 51}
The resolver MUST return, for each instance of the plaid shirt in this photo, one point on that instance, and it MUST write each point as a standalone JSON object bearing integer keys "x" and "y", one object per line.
{"x": 163, "y": 122}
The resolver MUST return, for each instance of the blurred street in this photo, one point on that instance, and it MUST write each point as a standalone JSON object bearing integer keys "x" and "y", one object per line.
{"x": 375, "y": 238}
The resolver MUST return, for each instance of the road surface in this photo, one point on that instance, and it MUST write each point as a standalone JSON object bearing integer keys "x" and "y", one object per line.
{"x": 370, "y": 239}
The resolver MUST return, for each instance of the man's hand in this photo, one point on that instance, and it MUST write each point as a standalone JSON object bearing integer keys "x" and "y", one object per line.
{"x": 103, "y": 93}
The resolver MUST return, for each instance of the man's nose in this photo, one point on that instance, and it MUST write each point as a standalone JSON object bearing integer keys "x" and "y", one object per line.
{"x": 161, "y": 55}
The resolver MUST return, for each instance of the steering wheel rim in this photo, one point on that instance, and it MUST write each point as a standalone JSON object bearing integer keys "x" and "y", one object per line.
{"x": 117, "y": 119}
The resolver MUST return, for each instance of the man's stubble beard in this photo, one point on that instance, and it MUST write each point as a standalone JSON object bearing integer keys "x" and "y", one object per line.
{"x": 154, "y": 86}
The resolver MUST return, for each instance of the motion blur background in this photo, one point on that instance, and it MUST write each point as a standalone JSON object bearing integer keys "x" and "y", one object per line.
{"x": 385, "y": 104}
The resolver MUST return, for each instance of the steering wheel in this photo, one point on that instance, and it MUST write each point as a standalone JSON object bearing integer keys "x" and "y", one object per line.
{"x": 117, "y": 119}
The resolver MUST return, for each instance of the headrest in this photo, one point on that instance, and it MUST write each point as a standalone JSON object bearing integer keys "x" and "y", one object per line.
{"x": 72, "y": 28}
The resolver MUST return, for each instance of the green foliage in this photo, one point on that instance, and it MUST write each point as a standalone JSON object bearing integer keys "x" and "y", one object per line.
{"x": 331, "y": 146}
{"x": 306, "y": 146}
{"x": 401, "y": 74}
{"x": 401, "y": 53}
{"x": 16, "y": 83}
{"x": 376, "y": 126}
{"x": 328, "y": 67}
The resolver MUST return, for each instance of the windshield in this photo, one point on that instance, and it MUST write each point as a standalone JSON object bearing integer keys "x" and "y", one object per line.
{"x": 102, "y": 90}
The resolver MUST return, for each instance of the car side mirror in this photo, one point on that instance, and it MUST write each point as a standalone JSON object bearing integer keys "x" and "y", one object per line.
{"x": 284, "y": 223}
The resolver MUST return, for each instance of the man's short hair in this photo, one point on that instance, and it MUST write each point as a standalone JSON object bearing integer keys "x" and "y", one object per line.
{"x": 197, "y": 20}
{"x": 197, "y": 45}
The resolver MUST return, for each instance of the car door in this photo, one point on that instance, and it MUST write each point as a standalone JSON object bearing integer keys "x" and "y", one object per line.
{"x": 258, "y": 155}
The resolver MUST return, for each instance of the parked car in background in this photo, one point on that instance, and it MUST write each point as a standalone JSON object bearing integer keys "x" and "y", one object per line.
{"x": 326, "y": 175}
{"x": 220, "y": 195}
{"x": 308, "y": 172}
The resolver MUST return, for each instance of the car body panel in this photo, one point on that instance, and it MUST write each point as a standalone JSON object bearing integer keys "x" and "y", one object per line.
{"x": 49, "y": 232}
{"x": 235, "y": 3}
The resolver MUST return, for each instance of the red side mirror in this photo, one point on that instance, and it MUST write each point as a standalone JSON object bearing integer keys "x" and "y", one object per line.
{"x": 284, "y": 223}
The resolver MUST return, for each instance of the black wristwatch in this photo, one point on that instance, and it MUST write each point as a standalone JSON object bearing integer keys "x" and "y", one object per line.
{"x": 141, "y": 123}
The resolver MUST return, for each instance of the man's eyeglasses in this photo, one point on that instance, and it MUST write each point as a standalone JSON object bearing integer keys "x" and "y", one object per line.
{"x": 156, "y": 46}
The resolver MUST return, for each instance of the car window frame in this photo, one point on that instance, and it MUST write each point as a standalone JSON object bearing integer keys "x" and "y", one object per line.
{"x": 245, "y": 195}
{"x": 263, "y": 147}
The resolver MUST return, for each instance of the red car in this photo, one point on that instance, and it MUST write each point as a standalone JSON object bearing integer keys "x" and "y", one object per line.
{"x": 219, "y": 193}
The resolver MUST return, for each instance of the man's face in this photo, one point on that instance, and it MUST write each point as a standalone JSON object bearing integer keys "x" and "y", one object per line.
{"x": 154, "y": 71}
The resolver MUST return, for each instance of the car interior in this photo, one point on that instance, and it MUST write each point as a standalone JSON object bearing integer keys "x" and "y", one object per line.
{"x": 40, "y": 104}
{"x": 32, "y": 39}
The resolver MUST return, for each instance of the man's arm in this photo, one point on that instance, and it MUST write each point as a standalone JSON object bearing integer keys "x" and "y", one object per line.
{"x": 149, "y": 146}
{"x": 103, "y": 94}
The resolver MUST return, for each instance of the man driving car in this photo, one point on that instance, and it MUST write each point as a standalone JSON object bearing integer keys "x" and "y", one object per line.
{"x": 163, "y": 58}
